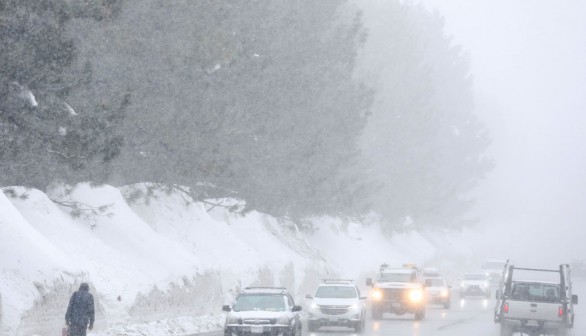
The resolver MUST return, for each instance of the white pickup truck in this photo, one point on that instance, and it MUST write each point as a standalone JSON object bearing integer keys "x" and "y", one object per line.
{"x": 535, "y": 307}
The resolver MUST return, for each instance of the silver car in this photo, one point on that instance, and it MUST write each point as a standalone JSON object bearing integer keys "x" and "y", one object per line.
{"x": 263, "y": 311}
{"x": 337, "y": 303}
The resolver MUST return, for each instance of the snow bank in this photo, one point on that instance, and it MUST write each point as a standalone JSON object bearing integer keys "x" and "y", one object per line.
{"x": 167, "y": 265}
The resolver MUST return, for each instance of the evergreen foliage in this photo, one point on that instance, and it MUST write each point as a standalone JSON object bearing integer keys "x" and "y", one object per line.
{"x": 42, "y": 138}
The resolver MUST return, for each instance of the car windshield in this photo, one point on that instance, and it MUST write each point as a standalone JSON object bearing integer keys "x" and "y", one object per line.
{"x": 267, "y": 302}
{"x": 398, "y": 277}
{"x": 434, "y": 282}
{"x": 535, "y": 292}
{"x": 475, "y": 276}
{"x": 340, "y": 292}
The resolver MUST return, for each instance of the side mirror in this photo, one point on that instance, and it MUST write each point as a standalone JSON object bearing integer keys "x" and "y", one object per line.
{"x": 308, "y": 296}
{"x": 296, "y": 308}
{"x": 575, "y": 299}
{"x": 369, "y": 282}
{"x": 226, "y": 308}
{"x": 363, "y": 298}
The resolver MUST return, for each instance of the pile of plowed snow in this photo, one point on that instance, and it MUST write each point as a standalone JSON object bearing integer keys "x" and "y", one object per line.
{"x": 165, "y": 261}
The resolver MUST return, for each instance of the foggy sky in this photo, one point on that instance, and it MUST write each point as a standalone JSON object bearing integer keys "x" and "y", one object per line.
{"x": 528, "y": 60}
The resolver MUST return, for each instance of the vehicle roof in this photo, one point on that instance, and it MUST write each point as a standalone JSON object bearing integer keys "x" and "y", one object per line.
{"x": 338, "y": 282}
{"x": 537, "y": 282}
{"x": 265, "y": 290}
{"x": 398, "y": 270}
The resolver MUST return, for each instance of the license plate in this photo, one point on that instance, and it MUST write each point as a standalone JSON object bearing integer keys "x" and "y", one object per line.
{"x": 533, "y": 323}
{"x": 396, "y": 305}
{"x": 256, "y": 329}
{"x": 333, "y": 319}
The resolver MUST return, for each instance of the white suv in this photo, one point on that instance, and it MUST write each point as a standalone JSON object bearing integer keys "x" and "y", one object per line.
{"x": 337, "y": 303}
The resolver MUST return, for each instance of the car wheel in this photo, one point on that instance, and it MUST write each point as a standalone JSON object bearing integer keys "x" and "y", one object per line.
{"x": 312, "y": 326}
{"x": 506, "y": 330}
{"x": 358, "y": 327}
{"x": 420, "y": 315}
{"x": 377, "y": 314}
{"x": 447, "y": 305}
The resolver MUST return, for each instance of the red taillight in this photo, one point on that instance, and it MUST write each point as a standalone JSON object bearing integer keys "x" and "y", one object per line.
{"x": 560, "y": 311}
{"x": 506, "y": 308}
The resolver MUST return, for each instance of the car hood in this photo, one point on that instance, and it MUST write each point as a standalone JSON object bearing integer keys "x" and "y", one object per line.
{"x": 257, "y": 314}
{"x": 385, "y": 285}
{"x": 474, "y": 282}
{"x": 435, "y": 289}
{"x": 334, "y": 301}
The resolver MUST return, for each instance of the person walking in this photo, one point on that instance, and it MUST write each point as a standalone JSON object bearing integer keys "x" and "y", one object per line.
{"x": 80, "y": 311}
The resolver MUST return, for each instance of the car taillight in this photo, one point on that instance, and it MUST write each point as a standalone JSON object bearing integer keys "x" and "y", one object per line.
{"x": 506, "y": 308}
{"x": 560, "y": 311}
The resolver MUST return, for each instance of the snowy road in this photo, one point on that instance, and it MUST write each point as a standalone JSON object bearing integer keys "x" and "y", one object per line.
{"x": 466, "y": 317}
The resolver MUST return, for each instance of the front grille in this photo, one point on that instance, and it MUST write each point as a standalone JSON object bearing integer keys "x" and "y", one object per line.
{"x": 393, "y": 294}
{"x": 259, "y": 321}
{"x": 334, "y": 310}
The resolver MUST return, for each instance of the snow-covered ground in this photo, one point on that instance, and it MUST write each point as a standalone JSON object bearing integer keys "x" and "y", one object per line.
{"x": 165, "y": 267}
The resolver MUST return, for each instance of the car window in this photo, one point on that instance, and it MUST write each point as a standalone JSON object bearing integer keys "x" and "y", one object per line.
{"x": 340, "y": 292}
{"x": 267, "y": 302}
{"x": 434, "y": 282}
{"x": 399, "y": 277}
{"x": 535, "y": 292}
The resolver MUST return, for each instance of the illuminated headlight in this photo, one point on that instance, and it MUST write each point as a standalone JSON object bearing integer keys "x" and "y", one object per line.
{"x": 313, "y": 306}
{"x": 283, "y": 320}
{"x": 233, "y": 320}
{"x": 483, "y": 285}
{"x": 353, "y": 307}
{"x": 416, "y": 295}
{"x": 444, "y": 293}
{"x": 377, "y": 295}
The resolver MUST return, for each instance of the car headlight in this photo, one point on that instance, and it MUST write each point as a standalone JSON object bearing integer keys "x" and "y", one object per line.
{"x": 416, "y": 295}
{"x": 313, "y": 306}
{"x": 377, "y": 295}
{"x": 233, "y": 320}
{"x": 284, "y": 320}
{"x": 353, "y": 307}
{"x": 444, "y": 293}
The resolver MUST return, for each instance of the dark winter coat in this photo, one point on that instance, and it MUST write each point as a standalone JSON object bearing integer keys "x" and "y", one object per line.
{"x": 81, "y": 310}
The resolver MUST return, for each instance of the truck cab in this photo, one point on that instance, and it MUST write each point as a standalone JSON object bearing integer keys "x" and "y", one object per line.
{"x": 398, "y": 290}
{"x": 532, "y": 306}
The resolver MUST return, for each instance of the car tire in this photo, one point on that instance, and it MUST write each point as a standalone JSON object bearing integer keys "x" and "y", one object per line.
{"x": 377, "y": 314}
{"x": 312, "y": 326}
{"x": 358, "y": 327}
{"x": 506, "y": 330}
{"x": 447, "y": 305}
{"x": 420, "y": 315}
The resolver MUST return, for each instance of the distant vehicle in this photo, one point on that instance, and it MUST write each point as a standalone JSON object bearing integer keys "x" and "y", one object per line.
{"x": 263, "y": 310}
{"x": 475, "y": 284}
{"x": 535, "y": 307}
{"x": 337, "y": 303}
{"x": 438, "y": 292}
{"x": 398, "y": 290}
{"x": 431, "y": 272}
{"x": 494, "y": 269}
